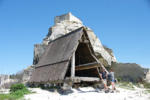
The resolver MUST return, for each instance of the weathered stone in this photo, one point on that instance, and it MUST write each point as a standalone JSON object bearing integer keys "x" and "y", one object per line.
{"x": 67, "y": 17}
{"x": 38, "y": 51}
{"x": 65, "y": 24}
{"x": 148, "y": 76}
{"x": 99, "y": 49}
{"x": 27, "y": 74}
{"x": 5, "y": 81}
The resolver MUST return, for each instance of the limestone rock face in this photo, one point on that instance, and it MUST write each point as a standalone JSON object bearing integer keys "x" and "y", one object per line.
{"x": 65, "y": 24}
{"x": 99, "y": 49}
{"x": 5, "y": 81}
{"x": 148, "y": 76}
{"x": 27, "y": 74}
{"x": 38, "y": 51}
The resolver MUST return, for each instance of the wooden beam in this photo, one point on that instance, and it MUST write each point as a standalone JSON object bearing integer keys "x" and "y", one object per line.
{"x": 87, "y": 66}
{"x": 84, "y": 79}
{"x": 100, "y": 64}
{"x": 73, "y": 65}
{"x": 84, "y": 41}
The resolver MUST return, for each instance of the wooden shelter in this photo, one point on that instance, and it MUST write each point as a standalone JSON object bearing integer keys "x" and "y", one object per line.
{"x": 70, "y": 57}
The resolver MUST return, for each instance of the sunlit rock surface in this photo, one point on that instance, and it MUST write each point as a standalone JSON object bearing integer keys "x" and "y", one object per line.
{"x": 148, "y": 76}
{"x": 65, "y": 24}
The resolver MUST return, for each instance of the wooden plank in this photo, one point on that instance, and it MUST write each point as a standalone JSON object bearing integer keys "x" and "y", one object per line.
{"x": 86, "y": 66}
{"x": 84, "y": 41}
{"x": 73, "y": 65}
{"x": 100, "y": 64}
{"x": 84, "y": 79}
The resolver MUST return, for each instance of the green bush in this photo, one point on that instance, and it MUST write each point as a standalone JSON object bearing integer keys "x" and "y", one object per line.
{"x": 17, "y": 91}
{"x": 16, "y": 87}
{"x": 147, "y": 85}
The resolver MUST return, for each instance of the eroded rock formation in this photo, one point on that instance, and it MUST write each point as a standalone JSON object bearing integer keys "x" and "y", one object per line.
{"x": 148, "y": 76}
{"x": 65, "y": 24}
{"x": 27, "y": 74}
{"x": 6, "y": 81}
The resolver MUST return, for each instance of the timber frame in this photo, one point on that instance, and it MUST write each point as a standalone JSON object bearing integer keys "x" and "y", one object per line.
{"x": 69, "y": 58}
{"x": 87, "y": 66}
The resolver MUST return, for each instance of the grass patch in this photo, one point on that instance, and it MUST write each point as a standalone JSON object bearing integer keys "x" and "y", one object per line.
{"x": 8, "y": 97}
{"x": 126, "y": 85}
{"x": 148, "y": 91}
{"x": 17, "y": 91}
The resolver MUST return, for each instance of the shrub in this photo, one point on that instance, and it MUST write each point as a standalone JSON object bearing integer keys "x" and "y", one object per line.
{"x": 17, "y": 91}
{"x": 16, "y": 87}
{"x": 147, "y": 85}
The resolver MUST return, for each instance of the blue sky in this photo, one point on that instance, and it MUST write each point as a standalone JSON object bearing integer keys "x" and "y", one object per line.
{"x": 123, "y": 25}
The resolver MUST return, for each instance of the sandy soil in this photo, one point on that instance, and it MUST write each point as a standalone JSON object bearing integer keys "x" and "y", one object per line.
{"x": 89, "y": 93}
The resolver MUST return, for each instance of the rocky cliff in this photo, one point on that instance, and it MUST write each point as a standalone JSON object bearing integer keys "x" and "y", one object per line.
{"x": 148, "y": 76}
{"x": 3, "y": 79}
{"x": 6, "y": 81}
{"x": 27, "y": 74}
{"x": 65, "y": 24}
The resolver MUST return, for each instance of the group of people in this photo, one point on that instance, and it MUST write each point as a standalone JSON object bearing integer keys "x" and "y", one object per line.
{"x": 108, "y": 75}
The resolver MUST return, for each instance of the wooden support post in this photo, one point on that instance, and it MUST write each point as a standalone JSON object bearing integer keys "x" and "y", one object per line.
{"x": 73, "y": 66}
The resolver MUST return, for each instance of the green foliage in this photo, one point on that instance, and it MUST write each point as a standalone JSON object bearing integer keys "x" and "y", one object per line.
{"x": 16, "y": 87}
{"x": 119, "y": 79}
{"x": 126, "y": 85}
{"x": 17, "y": 76}
{"x": 7, "y": 97}
{"x": 148, "y": 91}
{"x": 16, "y": 91}
{"x": 146, "y": 85}
{"x": 129, "y": 72}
